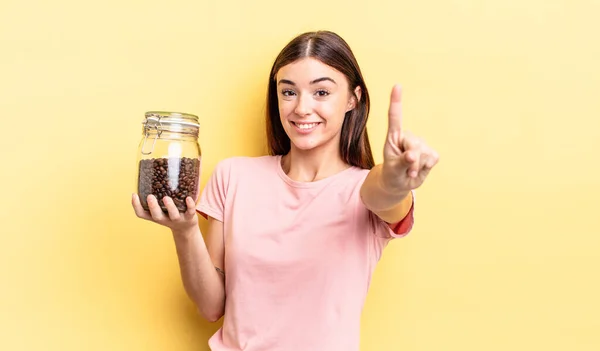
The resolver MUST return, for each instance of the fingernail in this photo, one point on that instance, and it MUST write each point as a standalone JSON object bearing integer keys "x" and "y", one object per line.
{"x": 413, "y": 174}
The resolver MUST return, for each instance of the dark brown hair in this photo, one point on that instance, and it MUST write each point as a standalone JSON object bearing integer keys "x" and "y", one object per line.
{"x": 333, "y": 51}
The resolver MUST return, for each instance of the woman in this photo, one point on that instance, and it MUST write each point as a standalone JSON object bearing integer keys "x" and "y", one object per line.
{"x": 293, "y": 237}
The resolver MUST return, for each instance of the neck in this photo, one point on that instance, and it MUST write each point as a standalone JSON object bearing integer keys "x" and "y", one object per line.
{"x": 312, "y": 165}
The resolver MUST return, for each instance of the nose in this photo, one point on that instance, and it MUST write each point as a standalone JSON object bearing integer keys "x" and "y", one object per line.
{"x": 303, "y": 105}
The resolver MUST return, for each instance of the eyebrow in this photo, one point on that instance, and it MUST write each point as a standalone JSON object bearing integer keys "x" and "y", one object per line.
{"x": 318, "y": 80}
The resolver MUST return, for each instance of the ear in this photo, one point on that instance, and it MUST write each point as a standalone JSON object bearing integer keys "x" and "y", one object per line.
{"x": 354, "y": 99}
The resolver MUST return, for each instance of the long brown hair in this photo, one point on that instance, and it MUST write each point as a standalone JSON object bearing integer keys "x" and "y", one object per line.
{"x": 333, "y": 51}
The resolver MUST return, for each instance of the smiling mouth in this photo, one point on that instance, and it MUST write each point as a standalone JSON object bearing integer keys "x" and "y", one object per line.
{"x": 306, "y": 126}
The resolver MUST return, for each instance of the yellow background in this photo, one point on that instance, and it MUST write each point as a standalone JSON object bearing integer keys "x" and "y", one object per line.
{"x": 506, "y": 251}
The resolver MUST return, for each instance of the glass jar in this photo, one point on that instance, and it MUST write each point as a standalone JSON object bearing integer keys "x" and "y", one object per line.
{"x": 169, "y": 158}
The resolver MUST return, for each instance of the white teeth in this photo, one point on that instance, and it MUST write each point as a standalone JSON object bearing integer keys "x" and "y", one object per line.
{"x": 306, "y": 125}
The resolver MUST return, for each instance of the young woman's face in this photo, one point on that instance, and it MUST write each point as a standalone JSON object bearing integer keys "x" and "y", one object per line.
{"x": 313, "y": 100}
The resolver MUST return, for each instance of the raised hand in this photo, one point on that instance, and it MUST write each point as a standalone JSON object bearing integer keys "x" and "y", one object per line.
{"x": 407, "y": 159}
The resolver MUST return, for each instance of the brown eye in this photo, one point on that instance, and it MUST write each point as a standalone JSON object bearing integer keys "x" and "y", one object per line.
{"x": 322, "y": 93}
{"x": 288, "y": 93}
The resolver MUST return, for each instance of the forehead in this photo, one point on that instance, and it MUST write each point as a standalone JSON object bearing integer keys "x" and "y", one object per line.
{"x": 308, "y": 69}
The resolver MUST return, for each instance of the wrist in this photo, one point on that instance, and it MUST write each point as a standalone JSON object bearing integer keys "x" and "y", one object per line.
{"x": 185, "y": 234}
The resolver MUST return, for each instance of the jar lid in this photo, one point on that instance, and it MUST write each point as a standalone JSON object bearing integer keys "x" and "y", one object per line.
{"x": 154, "y": 118}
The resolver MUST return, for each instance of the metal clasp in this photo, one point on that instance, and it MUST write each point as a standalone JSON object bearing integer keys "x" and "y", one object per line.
{"x": 152, "y": 122}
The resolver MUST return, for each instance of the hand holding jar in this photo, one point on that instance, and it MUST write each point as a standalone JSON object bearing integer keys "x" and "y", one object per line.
{"x": 169, "y": 157}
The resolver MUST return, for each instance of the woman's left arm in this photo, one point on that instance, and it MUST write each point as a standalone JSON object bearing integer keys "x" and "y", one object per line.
{"x": 407, "y": 160}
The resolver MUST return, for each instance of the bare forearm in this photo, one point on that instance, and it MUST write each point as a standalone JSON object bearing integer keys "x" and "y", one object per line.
{"x": 391, "y": 207}
{"x": 203, "y": 284}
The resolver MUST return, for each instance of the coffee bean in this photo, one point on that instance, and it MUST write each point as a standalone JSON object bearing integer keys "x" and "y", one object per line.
{"x": 174, "y": 177}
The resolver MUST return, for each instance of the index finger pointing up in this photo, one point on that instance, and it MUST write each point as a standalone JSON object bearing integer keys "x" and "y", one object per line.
{"x": 395, "y": 110}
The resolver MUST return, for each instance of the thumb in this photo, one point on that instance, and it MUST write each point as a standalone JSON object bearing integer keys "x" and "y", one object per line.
{"x": 395, "y": 111}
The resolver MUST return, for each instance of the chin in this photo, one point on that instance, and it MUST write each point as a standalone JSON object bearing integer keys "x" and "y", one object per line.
{"x": 304, "y": 145}
{"x": 312, "y": 144}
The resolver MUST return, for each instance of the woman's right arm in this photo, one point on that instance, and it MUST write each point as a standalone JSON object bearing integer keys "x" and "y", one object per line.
{"x": 198, "y": 259}
{"x": 198, "y": 262}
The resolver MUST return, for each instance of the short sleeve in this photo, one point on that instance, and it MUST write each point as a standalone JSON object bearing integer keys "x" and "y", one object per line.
{"x": 212, "y": 199}
{"x": 398, "y": 230}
